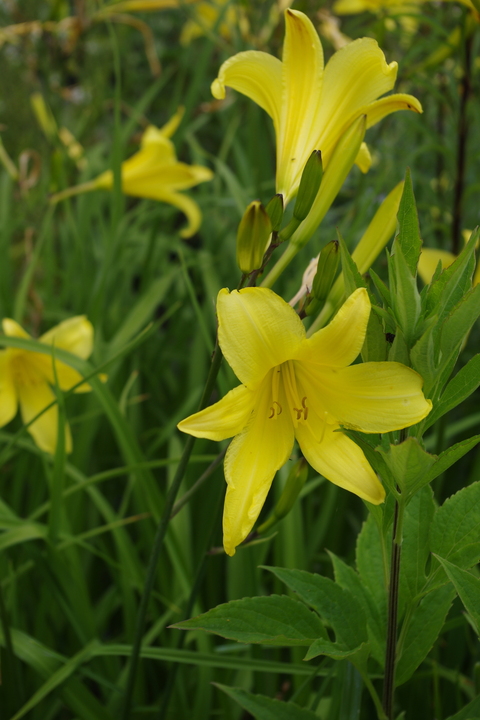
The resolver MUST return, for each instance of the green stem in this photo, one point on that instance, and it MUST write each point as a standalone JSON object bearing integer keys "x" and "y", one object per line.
{"x": 283, "y": 262}
{"x": 373, "y": 694}
{"x": 159, "y": 538}
{"x": 391, "y": 648}
{"x": 71, "y": 191}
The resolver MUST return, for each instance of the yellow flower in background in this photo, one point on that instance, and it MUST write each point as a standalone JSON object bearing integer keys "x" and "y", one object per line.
{"x": 155, "y": 173}
{"x": 429, "y": 259}
{"x": 294, "y": 387}
{"x": 26, "y": 377}
{"x": 223, "y": 15}
{"x": 312, "y": 106}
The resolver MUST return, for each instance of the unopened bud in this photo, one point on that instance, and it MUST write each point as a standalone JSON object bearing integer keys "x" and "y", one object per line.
{"x": 327, "y": 267}
{"x": 309, "y": 185}
{"x": 295, "y": 482}
{"x": 274, "y": 209}
{"x": 253, "y": 237}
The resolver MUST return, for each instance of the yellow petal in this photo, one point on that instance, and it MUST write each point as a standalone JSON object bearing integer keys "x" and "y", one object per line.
{"x": 171, "y": 126}
{"x": 74, "y": 335}
{"x": 363, "y": 159}
{"x": 252, "y": 460}
{"x": 67, "y": 376}
{"x": 302, "y": 81}
{"x": 257, "y": 330}
{"x": 372, "y": 397}
{"x": 429, "y": 259}
{"x": 338, "y": 344}
{"x": 255, "y": 74}
{"x": 33, "y": 397}
{"x": 350, "y": 7}
{"x": 339, "y": 459}
{"x": 175, "y": 176}
{"x": 381, "y": 108}
{"x": 8, "y": 394}
{"x": 13, "y": 329}
{"x": 223, "y": 420}
{"x": 354, "y": 77}
{"x": 184, "y": 203}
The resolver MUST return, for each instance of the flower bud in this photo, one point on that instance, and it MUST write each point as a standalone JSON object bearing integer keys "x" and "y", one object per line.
{"x": 326, "y": 270}
{"x": 275, "y": 211}
{"x": 295, "y": 482}
{"x": 309, "y": 185}
{"x": 253, "y": 237}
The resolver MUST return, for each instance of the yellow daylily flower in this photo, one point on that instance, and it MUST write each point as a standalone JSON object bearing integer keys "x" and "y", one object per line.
{"x": 155, "y": 173}
{"x": 312, "y": 107}
{"x": 430, "y": 257}
{"x": 25, "y": 378}
{"x": 294, "y": 387}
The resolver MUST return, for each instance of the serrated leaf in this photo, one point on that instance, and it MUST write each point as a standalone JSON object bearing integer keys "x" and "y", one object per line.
{"x": 455, "y": 531}
{"x": 465, "y": 382}
{"x": 424, "y": 627}
{"x": 408, "y": 463}
{"x": 452, "y": 284}
{"x": 467, "y": 587}
{"x": 408, "y": 231}
{"x": 419, "y": 515}
{"x": 272, "y": 620}
{"x": 346, "y": 577}
{"x": 264, "y": 708}
{"x": 337, "y": 651}
{"x": 336, "y": 605}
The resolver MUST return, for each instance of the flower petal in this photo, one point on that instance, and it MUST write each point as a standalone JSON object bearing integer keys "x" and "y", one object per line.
{"x": 74, "y": 335}
{"x": 363, "y": 159}
{"x": 338, "y": 344}
{"x": 8, "y": 394}
{"x": 33, "y": 398}
{"x": 175, "y": 176}
{"x": 354, "y": 76}
{"x": 184, "y": 203}
{"x": 373, "y": 397}
{"x": 252, "y": 460}
{"x": 255, "y": 74}
{"x": 428, "y": 261}
{"x": 224, "y": 419}
{"x": 257, "y": 330}
{"x": 13, "y": 329}
{"x": 381, "y": 108}
{"x": 302, "y": 71}
{"x": 340, "y": 460}
{"x": 67, "y": 376}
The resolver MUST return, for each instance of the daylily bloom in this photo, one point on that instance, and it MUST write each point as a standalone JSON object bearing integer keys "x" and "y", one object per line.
{"x": 155, "y": 173}
{"x": 430, "y": 257}
{"x": 312, "y": 107}
{"x": 26, "y": 377}
{"x": 294, "y": 387}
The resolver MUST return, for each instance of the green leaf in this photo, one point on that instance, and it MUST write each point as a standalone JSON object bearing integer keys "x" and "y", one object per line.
{"x": 383, "y": 290}
{"x": 452, "y": 284}
{"x": 372, "y": 565}
{"x": 346, "y": 577}
{"x": 375, "y": 346}
{"x": 423, "y": 356}
{"x": 455, "y": 531}
{"x": 419, "y": 515}
{"x": 273, "y": 620}
{"x": 457, "y": 325}
{"x": 408, "y": 231}
{"x": 351, "y": 274}
{"x": 424, "y": 627}
{"x": 467, "y": 587}
{"x": 336, "y": 605}
{"x": 465, "y": 382}
{"x": 369, "y": 446}
{"x": 398, "y": 351}
{"x": 406, "y": 298}
{"x": 408, "y": 463}
{"x": 337, "y": 651}
{"x": 449, "y": 457}
{"x": 264, "y": 708}
{"x": 469, "y": 712}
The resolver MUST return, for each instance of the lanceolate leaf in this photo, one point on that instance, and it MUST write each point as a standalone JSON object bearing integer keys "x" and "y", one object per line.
{"x": 415, "y": 546}
{"x": 449, "y": 457}
{"x": 455, "y": 531}
{"x": 272, "y": 620}
{"x": 458, "y": 389}
{"x": 406, "y": 299}
{"x": 408, "y": 231}
{"x": 467, "y": 587}
{"x": 469, "y": 712}
{"x": 408, "y": 463}
{"x": 458, "y": 324}
{"x": 264, "y": 708}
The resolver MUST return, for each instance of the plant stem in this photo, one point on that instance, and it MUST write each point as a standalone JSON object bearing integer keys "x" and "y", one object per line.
{"x": 391, "y": 648}
{"x": 160, "y": 536}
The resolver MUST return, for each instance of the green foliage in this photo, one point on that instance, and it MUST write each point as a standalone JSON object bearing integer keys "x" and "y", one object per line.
{"x": 263, "y": 708}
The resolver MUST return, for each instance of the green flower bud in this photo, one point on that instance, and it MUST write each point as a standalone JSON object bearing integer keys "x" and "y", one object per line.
{"x": 295, "y": 482}
{"x": 253, "y": 237}
{"x": 327, "y": 267}
{"x": 275, "y": 211}
{"x": 309, "y": 185}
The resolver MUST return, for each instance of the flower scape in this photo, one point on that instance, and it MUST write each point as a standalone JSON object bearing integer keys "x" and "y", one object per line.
{"x": 294, "y": 387}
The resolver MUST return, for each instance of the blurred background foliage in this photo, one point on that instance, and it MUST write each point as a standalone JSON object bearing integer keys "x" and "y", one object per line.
{"x": 68, "y": 608}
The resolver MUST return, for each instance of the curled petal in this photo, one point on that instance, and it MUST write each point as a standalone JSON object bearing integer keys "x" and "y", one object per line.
{"x": 34, "y": 397}
{"x": 340, "y": 460}
{"x": 8, "y": 394}
{"x": 74, "y": 335}
{"x": 339, "y": 343}
{"x": 252, "y": 459}
{"x": 376, "y": 111}
{"x": 223, "y": 420}
{"x": 257, "y": 330}
{"x": 255, "y": 74}
{"x": 13, "y": 329}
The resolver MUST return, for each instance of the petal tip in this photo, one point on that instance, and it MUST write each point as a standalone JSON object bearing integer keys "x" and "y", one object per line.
{"x": 218, "y": 89}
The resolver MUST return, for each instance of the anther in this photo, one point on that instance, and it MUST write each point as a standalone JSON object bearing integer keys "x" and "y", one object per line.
{"x": 272, "y": 409}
